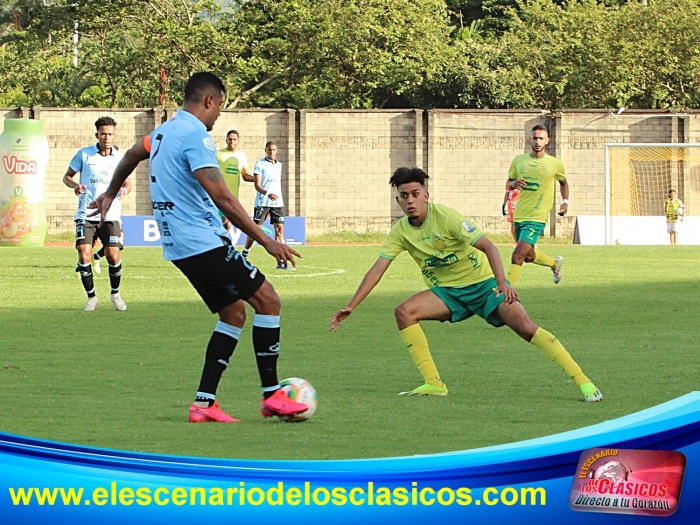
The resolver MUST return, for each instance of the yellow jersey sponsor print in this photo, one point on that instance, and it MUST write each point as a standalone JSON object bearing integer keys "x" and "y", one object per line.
{"x": 442, "y": 248}
{"x": 537, "y": 197}
{"x": 230, "y": 164}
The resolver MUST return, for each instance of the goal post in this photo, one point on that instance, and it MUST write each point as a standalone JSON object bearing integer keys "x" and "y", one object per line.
{"x": 638, "y": 178}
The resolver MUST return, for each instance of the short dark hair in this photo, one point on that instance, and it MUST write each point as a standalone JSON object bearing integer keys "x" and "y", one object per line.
{"x": 672, "y": 190}
{"x": 539, "y": 127}
{"x": 406, "y": 175}
{"x": 235, "y": 132}
{"x": 270, "y": 143}
{"x": 105, "y": 121}
{"x": 200, "y": 84}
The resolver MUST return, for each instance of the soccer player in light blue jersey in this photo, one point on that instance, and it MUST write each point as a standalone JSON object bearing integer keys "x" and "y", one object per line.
{"x": 187, "y": 190}
{"x": 96, "y": 165}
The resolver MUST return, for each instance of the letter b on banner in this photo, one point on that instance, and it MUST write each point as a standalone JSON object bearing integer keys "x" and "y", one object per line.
{"x": 151, "y": 233}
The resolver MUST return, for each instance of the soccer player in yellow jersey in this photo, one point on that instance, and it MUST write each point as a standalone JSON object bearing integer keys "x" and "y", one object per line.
{"x": 233, "y": 165}
{"x": 534, "y": 174}
{"x": 465, "y": 276}
{"x": 673, "y": 209}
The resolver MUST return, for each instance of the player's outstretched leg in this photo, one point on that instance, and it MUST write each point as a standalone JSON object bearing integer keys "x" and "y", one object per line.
{"x": 223, "y": 342}
{"x": 514, "y": 273}
{"x": 417, "y": 345}
{"x": 515, "y": 316}
{"x": 266, "y": 343}
{"x": 422, "y": 306}
{"x": 554, "y": 263}
{"x": 523, "y": 252}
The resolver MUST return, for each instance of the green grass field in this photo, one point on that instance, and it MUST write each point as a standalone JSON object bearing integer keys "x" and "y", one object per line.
{"x": 124, "y": 380}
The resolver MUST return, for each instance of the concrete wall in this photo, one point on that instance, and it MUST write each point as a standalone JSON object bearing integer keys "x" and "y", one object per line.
{"x": 346, "y": 158}
{"x": 68, "y": 130}
{"x": 337, "y": 163}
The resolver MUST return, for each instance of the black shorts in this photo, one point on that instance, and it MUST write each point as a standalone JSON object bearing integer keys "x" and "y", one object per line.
{"x": 276, "y": 215}
{"x": 87, "y": 231}
{"x": 221, "y": 276}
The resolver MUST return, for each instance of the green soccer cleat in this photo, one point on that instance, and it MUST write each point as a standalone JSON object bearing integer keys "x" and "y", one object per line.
{"x": 590, "y": 393}
{"x": 427, "y": 390}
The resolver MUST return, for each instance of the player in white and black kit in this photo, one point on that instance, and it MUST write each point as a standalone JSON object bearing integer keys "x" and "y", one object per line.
{"x": 186, "y": 190}
{"x": 268, "y": 201}
{"x": 96, "y": 165}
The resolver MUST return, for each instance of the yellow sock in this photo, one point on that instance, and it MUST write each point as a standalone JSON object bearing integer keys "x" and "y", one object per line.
{"x": 544, "y": 259}
{"x": 555, "y": 351}
{"x": 514, "y": 274}
{"x": 417, "y": 344}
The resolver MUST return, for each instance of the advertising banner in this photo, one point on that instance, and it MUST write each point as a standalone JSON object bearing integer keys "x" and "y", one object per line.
{"x": 142, "y": 230}
{"x": 25, "y": 154}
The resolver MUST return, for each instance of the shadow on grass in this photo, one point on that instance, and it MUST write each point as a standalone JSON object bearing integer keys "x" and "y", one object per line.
{"x": 125, "y": 380}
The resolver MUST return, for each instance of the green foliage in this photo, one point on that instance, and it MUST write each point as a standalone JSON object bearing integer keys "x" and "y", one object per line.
{"x": 547, "y": 54}
{"x": 344, "y": 53}
{"x": 586, "y": 54}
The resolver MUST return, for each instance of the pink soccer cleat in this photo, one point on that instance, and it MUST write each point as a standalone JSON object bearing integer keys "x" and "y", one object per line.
{"x": 212, "y": 414}
{"x": 280, "y": 404}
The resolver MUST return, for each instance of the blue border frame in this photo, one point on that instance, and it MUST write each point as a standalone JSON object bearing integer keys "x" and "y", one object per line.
{"x": 549, "y": 462}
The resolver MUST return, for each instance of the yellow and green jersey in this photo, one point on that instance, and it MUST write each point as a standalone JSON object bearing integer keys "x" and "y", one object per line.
{"x": 230, "y": 164}
{"x": 672, "y": 206}
{"x": 442, "y": 248}
{"x": 536, "y": 199}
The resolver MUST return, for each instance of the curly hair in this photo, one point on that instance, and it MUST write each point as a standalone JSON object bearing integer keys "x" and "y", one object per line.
{"x": 105, "y": 121}
{"x": 406, "y": 175}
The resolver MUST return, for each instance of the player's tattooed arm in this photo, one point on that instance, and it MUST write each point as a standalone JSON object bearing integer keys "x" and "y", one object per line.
{"x": 213, "y": 183}
{"x": 212, "y": 174}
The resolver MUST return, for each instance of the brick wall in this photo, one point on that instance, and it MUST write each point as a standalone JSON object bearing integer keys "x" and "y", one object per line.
{"x": 337, "y": 163}
{"x": 346, "y": 160}
{"x": 68, "y": 130}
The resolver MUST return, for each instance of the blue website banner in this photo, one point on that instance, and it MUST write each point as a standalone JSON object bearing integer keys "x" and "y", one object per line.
{"x": 529, "y": 482}
{"x": 142, "y": 230}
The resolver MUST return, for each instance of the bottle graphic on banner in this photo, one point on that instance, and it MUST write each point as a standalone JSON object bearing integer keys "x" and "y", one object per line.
{"x": 25, "y": 154}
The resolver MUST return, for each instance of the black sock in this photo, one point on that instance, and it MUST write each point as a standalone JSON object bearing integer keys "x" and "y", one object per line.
{"x": 97, "y": 256}
{"x": 266, "y": 342}
{"x": 86, "y": 276}
{"x": 219, "y": 351}
{"x": 115, "y": 276}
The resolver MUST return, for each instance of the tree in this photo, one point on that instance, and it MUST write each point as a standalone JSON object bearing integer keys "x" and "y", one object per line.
{"x": 343, "y": 53}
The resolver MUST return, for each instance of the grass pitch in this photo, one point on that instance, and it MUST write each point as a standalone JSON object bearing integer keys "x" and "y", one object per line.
{"x": 125, "y": 380}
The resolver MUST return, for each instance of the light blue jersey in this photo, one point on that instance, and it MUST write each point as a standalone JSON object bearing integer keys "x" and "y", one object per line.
{"x": 96, "y": 171}
{"x": 189, "y": 222}
{"x": 271, "y": 181}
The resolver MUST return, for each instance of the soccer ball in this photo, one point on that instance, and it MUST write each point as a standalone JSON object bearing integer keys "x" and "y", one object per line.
{"x": 679, "y": 211}
{"x": 301, "y": 391}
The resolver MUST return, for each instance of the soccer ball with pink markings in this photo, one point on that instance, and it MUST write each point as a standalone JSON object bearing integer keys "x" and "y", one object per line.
{"x": 301, "y": 391}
